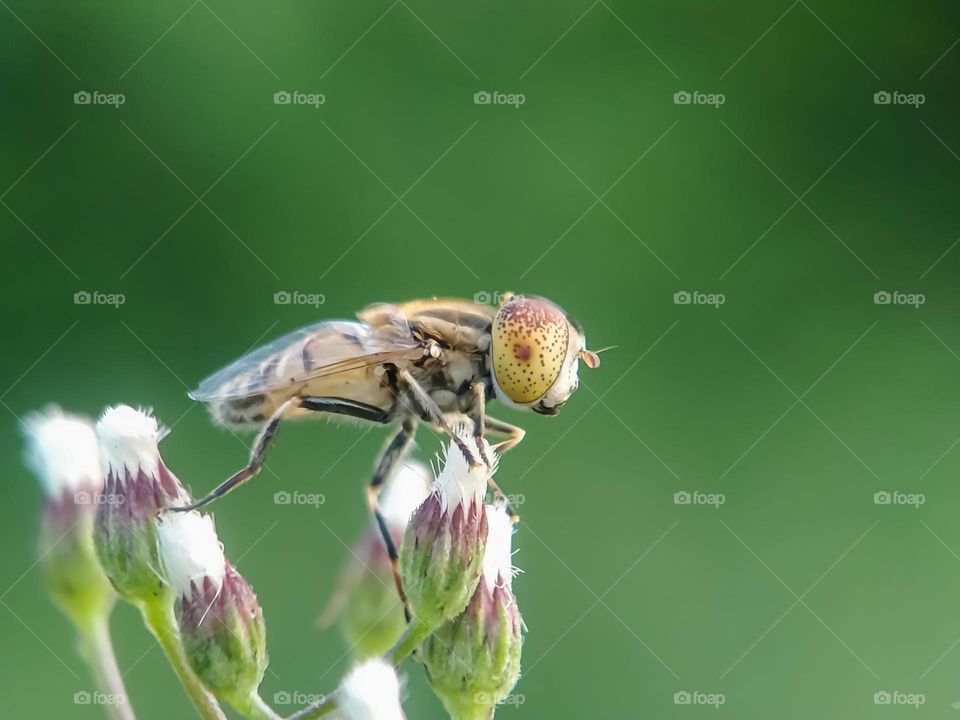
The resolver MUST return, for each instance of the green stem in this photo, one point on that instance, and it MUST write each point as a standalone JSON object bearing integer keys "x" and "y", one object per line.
{"x": 255, "y": 708}
{"x": 158, "y": 615}
{"x": 97, "y": 650}
{"x": 411, "y": 639}
{"x": 324, "y": 706}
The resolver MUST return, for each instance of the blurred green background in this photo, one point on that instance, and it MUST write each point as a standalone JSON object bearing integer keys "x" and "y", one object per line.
{"x": 797, "y": 399}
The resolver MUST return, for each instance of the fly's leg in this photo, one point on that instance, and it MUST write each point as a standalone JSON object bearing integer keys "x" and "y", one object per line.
{"x": 336, "y": 406}
{"x": 432, "y": 412}
{"x": 515, "y": 436}
{"x": 390, "y": 458}
{"x": 479, "y": 391}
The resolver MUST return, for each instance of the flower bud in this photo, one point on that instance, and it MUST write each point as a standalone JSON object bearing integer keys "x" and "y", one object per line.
{"x": 221, "y": 624}
{"x": 62, "y": 451}
{"x": 369, "y": 609}
{"x": 442, "y": 550}
{"x": 371, "y": 691}
{"x": 473, "y": 661}
{"x": 138, "y": 484}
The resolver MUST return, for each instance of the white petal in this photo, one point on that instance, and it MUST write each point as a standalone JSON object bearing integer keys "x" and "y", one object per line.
{"x": 371, "y": 691}
{"x": 497, "y": 563}
{"x": 62, "y": 451}
{"x": 190, "y": 550}
{"x": 457, "y": 482}
{"x": 404, "y": 492}
{"x": 128, "y": 439}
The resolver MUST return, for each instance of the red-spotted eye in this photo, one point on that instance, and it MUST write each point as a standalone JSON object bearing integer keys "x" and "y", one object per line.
{"x": 529, "y": 343}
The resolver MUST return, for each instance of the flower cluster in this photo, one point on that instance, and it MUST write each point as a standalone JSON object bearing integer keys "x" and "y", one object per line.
{"x": 474, "y": 659}
{"x": 128, "y": 525}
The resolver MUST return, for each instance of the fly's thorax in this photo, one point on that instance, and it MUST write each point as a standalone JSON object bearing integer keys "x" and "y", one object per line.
{"x": 449, "y": 378}
{"x": 535, "y": 351}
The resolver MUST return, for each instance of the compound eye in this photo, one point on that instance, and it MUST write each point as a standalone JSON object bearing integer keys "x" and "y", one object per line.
{"x": 529, "y": 347}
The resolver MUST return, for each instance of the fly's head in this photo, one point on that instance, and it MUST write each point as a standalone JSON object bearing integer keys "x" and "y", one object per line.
{"x": 535, "y": 351}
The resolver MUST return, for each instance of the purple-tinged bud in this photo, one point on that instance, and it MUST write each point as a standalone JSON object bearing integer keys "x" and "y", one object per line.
{"x": 138, "y": 485}
{"x": 221, "y": 624}
{"x": 442, "y": 551}
{"x": 366, "y": 602}
{"x": 62, "y": 451}
{"x": 473, "y": 661}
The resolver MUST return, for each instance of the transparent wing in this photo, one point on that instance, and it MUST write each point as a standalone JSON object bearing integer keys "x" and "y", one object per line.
{"x": 311, "y": 352}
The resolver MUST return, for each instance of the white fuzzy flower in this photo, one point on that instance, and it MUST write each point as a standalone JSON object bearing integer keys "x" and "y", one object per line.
{"x": 190, "y": 550}
{"x": 128, "y": 440}
{"x": 404, "y": 491}
{"x": 458, "y": 483}
{"x": 371, "y": 691}
{"x": 62, "y": 451}
{"x": 497, "y": 565}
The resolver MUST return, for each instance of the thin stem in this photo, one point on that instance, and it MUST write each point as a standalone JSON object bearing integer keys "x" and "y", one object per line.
{"x": 97, "y": 649}
{"x": 257, "y": 709}
{"x": 415, "y": 634}
{"x": 158, "y": 615}
{"x": 324, "y": 706}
